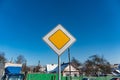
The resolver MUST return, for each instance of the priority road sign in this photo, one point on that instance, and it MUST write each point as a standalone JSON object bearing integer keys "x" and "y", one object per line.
{"x": 59, "y": 39}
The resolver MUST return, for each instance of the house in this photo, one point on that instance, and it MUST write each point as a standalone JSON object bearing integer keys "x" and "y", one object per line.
{"x": 65, "y": 71}
{"x": 116, "y": 69}
{"x": 116, "y": 65}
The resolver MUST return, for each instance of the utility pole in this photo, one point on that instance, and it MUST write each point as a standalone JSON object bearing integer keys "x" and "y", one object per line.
{"x": 39, "y": 63}
{"x": 69, "y": 62}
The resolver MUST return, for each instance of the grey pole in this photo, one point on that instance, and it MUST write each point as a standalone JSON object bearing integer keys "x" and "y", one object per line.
{"x": 59, "y": 68}
{"x": 69, "y": 62}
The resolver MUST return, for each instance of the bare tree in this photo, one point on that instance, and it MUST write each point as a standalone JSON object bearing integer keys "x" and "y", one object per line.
{"x": 2, "y": 62}
{"x": 20, "y": 59}
{"x": 75, "y": 62}
{"x": 97, "y": 64}
{"x": 2, "y": 57}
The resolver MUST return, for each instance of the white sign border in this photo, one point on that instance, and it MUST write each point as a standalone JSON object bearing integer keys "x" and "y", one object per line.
{"x": 68, "y": 44}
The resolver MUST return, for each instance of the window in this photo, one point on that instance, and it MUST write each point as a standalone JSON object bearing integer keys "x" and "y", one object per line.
{"x": 15, "y": 77}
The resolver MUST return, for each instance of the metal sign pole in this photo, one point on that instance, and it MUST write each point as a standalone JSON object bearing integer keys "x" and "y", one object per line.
{"x": 69, "y": 63}
{"x": 59, "y": 68}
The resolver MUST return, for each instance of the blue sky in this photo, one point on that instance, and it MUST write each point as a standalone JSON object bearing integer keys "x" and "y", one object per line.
{"x": 94, "y": 23}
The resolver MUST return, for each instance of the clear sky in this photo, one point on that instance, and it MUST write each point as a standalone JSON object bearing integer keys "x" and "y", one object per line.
{"x": 94, "y": 23}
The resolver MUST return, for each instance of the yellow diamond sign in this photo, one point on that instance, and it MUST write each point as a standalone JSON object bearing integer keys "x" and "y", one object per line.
{"x": 59, "y": 39}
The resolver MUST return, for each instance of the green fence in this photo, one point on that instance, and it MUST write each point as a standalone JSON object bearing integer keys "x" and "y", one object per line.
{"x": 38, "y": 76}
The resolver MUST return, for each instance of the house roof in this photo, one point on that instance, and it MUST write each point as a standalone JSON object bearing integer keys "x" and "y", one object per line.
{"x": 51, "y": 67}
{"x": 63, "y": 66}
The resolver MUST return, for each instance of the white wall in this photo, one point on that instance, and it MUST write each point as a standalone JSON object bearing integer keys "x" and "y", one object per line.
{"x": 73, "y": 73}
